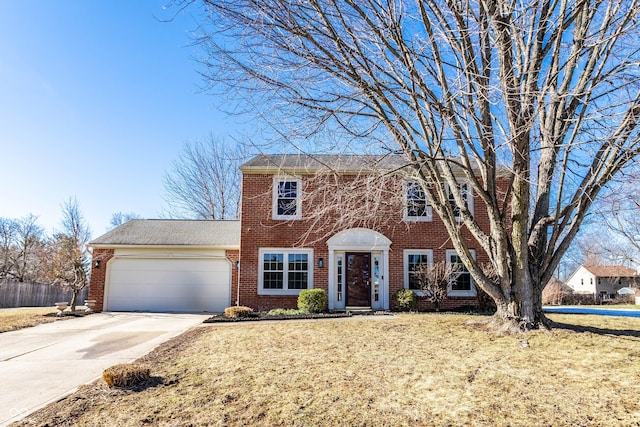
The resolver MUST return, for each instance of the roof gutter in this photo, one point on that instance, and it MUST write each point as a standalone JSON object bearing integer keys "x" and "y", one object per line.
{"x": 183, "y": 246}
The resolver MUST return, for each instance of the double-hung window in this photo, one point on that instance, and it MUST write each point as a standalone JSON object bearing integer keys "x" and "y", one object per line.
{"x": 287, "y": 198}
{"x": 285, "y": 271}
{"x": 467, "y": 197}
{"x": 416, "y": 206}
{"x": 414, "y": 259}
{"x": 461, "y": 284}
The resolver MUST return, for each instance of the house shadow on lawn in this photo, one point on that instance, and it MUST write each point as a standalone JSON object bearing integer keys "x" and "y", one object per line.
{"x": 633, "y": 333}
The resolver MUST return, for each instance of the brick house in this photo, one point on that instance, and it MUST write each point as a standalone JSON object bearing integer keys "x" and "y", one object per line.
{"x": 357, "y": 266}
{"x": 286, "y": 242}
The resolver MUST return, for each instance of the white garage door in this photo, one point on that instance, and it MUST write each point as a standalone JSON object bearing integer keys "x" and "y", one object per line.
{"x": 159, "y": 285}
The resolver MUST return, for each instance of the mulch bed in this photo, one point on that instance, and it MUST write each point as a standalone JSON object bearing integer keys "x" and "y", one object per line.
{"x": 258, "y": 316}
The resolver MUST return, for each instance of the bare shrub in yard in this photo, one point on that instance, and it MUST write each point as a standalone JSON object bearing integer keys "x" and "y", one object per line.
{"x": 125, "y": 375}
{"x": 434, "y": 280}
{"x": 238, "y": 311}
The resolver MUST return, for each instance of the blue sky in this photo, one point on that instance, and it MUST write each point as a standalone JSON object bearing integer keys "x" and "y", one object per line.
{"x": 96, "y": 100}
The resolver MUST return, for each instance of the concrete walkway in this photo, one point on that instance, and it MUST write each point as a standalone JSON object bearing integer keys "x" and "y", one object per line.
{"x": 42, "y": 364}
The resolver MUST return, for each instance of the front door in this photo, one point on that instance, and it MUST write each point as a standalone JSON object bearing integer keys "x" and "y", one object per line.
{"x": 358, "y": 279}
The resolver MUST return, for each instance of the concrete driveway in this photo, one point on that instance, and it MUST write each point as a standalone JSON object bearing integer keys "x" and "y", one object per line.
{"x": 42, "y": 364}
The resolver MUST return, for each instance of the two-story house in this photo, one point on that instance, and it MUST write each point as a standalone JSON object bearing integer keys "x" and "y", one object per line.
{"x": 603, "y": 281}
{"x": 292, "y": 235}
{"x": 357, "y": 266}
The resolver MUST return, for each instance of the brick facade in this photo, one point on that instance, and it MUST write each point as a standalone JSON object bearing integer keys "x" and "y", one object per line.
{"x": 99, "y": 276}
{"x": 259, "y": 230}
{"x": 234, "y": 258}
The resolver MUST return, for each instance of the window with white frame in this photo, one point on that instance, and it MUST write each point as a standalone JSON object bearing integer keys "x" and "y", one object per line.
{"x": 287, "y": 198}
{"x": 413, "y": 260}
{"x": 284, "y": 271}
{"x": 416, "y": 207}
{"x": 462, "y": 284}
{"x": 467, "y": 196}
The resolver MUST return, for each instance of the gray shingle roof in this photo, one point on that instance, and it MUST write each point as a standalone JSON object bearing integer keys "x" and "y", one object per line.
{"x": 314, "y": 163}
{"x": 344, "y": 163}
{"x": 172, "y": 232}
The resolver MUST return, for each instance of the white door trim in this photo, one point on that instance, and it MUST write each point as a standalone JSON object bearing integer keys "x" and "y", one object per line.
{"x": 358, "y": 240}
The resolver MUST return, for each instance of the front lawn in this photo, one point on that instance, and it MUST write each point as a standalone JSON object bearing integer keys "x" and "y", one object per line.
{"x": 18, "y": 318}
{"x": 421, "y": 369}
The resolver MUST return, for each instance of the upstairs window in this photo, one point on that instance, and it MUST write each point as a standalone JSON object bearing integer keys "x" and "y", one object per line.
{"x": 467, "y": 197}
{"x": 416, "y": 206}
{"x": 287, "y": 198}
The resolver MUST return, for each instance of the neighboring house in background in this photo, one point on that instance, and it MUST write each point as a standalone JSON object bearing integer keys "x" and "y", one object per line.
{"x": 602, "y": 281}
{"x": 282, "y": 249}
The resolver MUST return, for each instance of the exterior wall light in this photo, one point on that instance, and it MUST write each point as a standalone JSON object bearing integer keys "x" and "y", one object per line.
{"x": 97, "y": 263}
{"x": 320, "y": 262}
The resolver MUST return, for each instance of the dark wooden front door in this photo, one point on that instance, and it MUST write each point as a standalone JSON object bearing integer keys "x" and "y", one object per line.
{"x": 358, "y": 279}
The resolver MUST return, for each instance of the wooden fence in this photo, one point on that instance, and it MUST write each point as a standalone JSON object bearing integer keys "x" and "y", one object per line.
{"x": 18, "y": 294}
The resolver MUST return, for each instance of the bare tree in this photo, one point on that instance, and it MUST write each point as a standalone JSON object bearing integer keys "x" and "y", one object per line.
{"x": 546, "y": 90}
{"x": 23, "y": 250}
{"x": 435, "y": 280}
{"x": 70, "y": 264}
{"x": 29, "y": 239}
{"x": 120, "y": 218}
{"x": 619, "y": 221}
{"x": 368, "y": 198}
{"x": 205, "y": 180}
{"x": 8, "y": 232}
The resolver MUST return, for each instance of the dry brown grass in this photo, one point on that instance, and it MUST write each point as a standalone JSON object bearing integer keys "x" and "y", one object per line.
{"x": 425, "y": 369}
{"x": 18, "y": 318}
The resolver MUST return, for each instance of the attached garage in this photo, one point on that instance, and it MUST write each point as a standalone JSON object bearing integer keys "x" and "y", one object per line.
{"x": 168, "y": 284}
{"x": 165, "y": 266}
